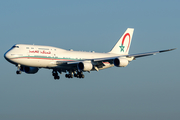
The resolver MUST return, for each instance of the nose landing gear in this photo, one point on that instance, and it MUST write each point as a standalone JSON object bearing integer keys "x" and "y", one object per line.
{"x": 18, "y": 72}
{"x": 19, "y": 69}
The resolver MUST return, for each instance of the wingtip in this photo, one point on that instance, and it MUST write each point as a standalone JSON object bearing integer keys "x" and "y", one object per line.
{"x": 173, "y": 48}
{"x": 167, "y": 50}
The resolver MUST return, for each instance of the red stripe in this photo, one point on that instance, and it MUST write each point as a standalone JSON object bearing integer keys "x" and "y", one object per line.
{"x": 43, "y": 58}
{"x": 127, "y": 34}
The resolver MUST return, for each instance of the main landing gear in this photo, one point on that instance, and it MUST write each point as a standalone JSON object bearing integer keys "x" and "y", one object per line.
{"x": 69, "y": 75}
{"x": 76, "y": 74}
{"x": 79, "y": 75}
{"x": 55, "y": 74}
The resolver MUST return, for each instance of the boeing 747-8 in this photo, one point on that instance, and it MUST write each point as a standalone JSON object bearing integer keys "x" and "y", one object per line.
{"x": 30, "y": 58}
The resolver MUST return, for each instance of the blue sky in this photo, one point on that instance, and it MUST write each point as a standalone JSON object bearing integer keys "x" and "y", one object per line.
{"x": 148, "y": 88}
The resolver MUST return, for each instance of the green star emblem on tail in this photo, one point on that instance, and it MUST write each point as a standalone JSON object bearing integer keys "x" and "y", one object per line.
{"x": 122, "y": 48}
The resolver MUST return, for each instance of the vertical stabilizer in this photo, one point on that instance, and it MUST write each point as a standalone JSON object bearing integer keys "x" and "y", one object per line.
{"x": 123, "y": 45}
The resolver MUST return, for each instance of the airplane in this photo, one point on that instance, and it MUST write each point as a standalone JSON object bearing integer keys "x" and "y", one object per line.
{"x": 30, "y": 58}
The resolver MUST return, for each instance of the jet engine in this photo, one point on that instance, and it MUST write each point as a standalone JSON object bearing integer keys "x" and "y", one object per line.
{"x": 120, "y": 62}
{"x": 30, "y": 70}
{"x": 85, "y": 66}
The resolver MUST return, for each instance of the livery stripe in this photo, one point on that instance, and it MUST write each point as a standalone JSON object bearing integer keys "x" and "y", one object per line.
{"x": 45, "y": 58}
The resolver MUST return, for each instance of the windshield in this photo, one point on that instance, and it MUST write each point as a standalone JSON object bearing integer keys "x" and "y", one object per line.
{"x": 15, "y": 46}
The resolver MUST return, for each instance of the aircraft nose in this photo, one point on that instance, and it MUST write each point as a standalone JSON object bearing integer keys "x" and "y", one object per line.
{"x": 7, "y": 55}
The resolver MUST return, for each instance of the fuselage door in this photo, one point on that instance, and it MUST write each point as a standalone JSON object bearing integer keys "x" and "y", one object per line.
{"x": 54, "y": 56}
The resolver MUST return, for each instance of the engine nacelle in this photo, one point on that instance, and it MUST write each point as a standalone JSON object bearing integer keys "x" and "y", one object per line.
{"x": 30, "y": 70}
{"x": 85, "y": 66}
{"x": 120, "y": 62}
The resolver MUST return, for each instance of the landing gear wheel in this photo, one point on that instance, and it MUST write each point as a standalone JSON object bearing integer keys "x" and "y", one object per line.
{"x": 69, "y": 75}
{"x": 55, "y": 74}
{"x": 75, "y": 75}
{"x": 56, "y": 77}
{"x": 80, "y": 75}
{"x": 18, "y": 72}
{"x": 66, "y": 75}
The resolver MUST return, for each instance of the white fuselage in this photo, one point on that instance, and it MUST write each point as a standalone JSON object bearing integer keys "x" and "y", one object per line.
{"x": 46, "y": 56}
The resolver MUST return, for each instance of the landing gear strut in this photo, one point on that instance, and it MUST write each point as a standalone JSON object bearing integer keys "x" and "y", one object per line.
{"x": 19, "y": 69}
{"x": 55, "y": 74}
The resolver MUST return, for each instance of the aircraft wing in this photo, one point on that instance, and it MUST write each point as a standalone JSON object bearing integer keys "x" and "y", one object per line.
{"x": 109, "y": 59}
{"x": 99, "y": 62}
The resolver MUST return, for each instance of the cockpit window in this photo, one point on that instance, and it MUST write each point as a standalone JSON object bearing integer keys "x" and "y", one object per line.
{"x": 15, "y": 46}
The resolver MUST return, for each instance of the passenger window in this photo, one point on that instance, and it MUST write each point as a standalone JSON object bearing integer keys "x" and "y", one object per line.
{"x": 27, "y": 47}
{"x": 43, "y": 48}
